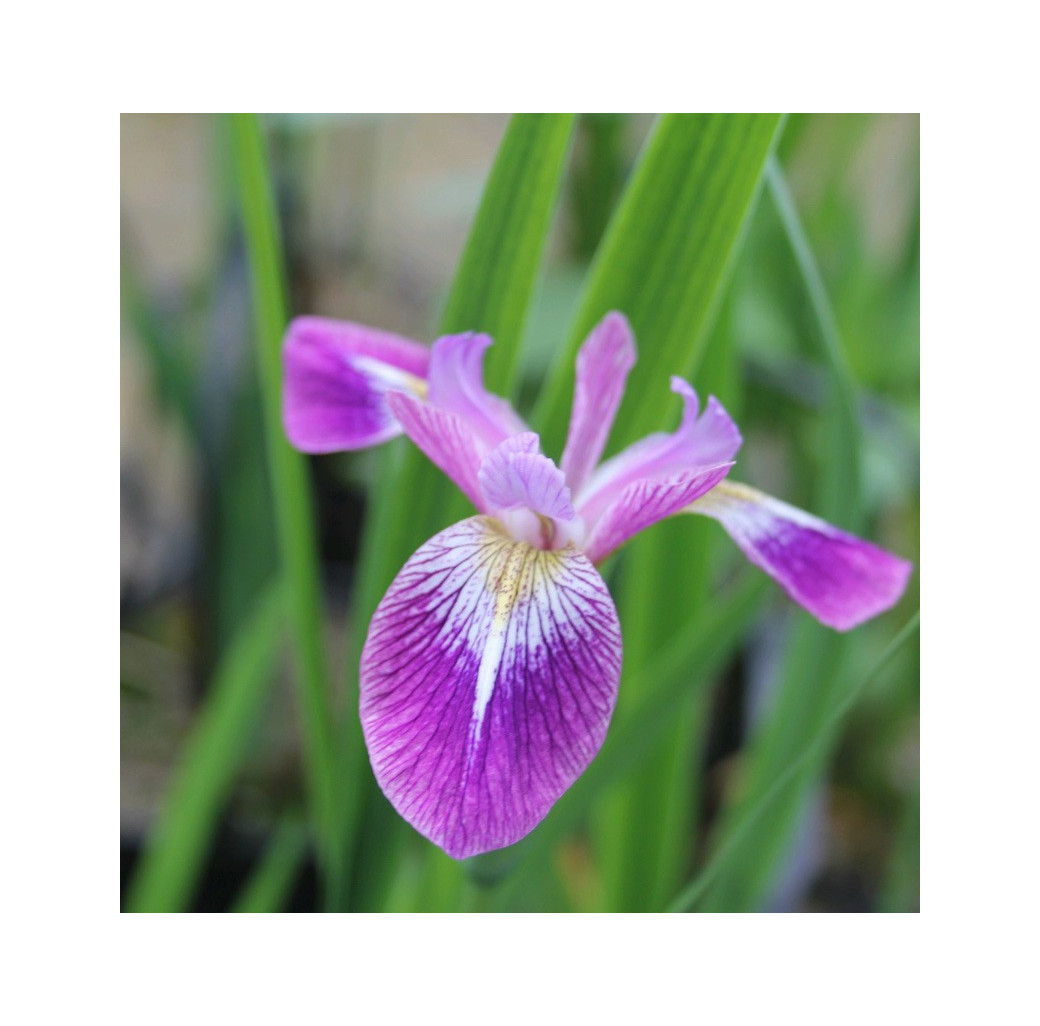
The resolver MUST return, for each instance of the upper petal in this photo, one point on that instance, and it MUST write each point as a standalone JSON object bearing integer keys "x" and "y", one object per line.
{"x": 841, "y": 579}
{"x": 457, "y": 385}
{"x": 488, "y": 679}
{"x": 604, "y": 360}
{"x": 446, "y": 439}
{"x": 337, "y": 375}
{"x": 646, "y": 501}
{"x": 659, "y": 475}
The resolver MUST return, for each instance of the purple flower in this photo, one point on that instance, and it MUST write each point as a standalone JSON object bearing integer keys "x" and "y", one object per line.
{"x": 492, "y": 664}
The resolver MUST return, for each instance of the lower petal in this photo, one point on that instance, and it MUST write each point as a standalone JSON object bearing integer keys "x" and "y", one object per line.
{"x": 488, "y": 679}
{"x": 841, "y": 579}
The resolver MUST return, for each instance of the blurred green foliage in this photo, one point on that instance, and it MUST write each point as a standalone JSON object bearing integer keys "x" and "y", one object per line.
{"x": 756, "y": 760}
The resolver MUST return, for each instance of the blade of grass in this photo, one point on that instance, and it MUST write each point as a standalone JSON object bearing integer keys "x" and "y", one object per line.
{"x": 495, "y": 279}
{"x": 291, "y": 496}
{"x": 809, "y": 685}
{"x": 492, "y": 291}
{"x": 178, "y": 843}
{"x": 815, "y": 744}
{"x": 268, "y": 887}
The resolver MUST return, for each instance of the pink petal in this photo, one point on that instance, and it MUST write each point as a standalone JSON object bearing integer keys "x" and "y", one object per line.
{"x": 446, "y": 439}
{"x": 337, "y": 375}
{"x": 841, "y": 579}
{"x": 646, "y": 501}
{"x": 658, "y": 475}
{"x": 457, "y": 386}
{"x": 488, "y": 679}
{"x": 604, "y": 360}
{"x": 527, "y": 491}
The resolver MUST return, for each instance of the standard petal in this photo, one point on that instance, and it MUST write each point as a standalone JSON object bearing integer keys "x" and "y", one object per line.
{"x": 644, "y": 502}
{"x": 528, "y": 492}
{"x": 841, "y": 579}
{"x": 604, "y": 360}
{"x": 697, "y": 444}
{"x": 336, "y": 378}
{"x": 657, "y": 476}
{"x": 457, "y": 386}
{"x": 487, "y": 682}
{"x": 446, "y": 439}
{"x": 515, "y": 475}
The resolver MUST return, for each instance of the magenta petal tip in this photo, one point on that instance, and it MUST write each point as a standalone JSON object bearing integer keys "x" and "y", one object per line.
{"x": 839, "y": 578}
{"x": 337, "y": 375}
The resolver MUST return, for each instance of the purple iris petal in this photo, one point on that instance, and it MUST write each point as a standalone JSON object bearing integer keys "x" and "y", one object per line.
{"x": 842, "y": 580}
{"x": 528, "y": 492}
{"x": 652, "y": 478}
{"x": 604, "y": 360}
{"x": 487, "y": 682}
{"x": 337, "y": 375}
{"x": 457, "y": 385}
{"x": 446, "y": 439}
{"x": 644, "y": 502}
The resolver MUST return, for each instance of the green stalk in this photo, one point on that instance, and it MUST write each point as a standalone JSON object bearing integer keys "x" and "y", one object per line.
{"x": 293, "y": 505}
{"x": 665, "y": 258}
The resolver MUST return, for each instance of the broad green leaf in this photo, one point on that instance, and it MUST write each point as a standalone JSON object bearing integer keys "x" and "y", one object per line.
{"x": 665, "y": 258}
{"x": 209, "y": 763}
{"x": 495, "y": 279}
{"x": 294, "y": 514}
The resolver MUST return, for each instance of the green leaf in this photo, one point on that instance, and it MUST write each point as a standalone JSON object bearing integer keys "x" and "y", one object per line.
{"x": 495, "y": 279}
{"x": 201, "y": 783}
{"x": 647, "y": 834}
{"x": 294, "y": 514}
{"x": 665, "y": 258}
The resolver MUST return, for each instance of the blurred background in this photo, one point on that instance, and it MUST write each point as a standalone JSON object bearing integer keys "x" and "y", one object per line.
{"x": 374, "y": 212}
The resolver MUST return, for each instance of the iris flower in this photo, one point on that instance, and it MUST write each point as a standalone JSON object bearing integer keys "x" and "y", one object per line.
{"x": 491, "y": 666}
